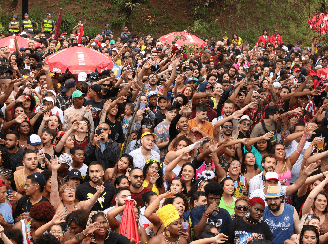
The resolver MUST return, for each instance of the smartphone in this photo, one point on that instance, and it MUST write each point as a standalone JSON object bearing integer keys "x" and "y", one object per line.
{"x": 142, "y": 106}
{"x": 98, "y": 132}
{"x": 100, "y": 181}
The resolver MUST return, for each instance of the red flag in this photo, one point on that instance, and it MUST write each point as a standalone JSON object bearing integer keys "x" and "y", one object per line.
{"x": 129, "y": 227}
{"x": 80, "y": 34}
{"x": 58, "y": 25}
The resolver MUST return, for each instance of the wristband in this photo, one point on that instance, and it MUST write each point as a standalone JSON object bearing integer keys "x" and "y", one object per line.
{"x": 83, "y": 233}
{"x": 206, "y": 215}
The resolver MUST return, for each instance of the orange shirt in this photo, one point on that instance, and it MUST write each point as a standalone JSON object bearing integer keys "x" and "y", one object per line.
{"x": 206, "y": 127}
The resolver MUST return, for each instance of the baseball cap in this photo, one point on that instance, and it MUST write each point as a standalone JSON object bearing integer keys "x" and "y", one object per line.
{"x": 271, "y": 176}
{"x": 65, "y": 158}
{"x": 97, "y": 88}
{"x": 299, "y": 43}
{"x": 68, "y": 85}
{"x": 148, "y": 133}
{"x": 74, "y": 173}
{"x": 15, "y": 16}
{"x": 164, "y": 97}
{"x": 188, "y": 67}
{"x": 107, "y": 25}
{"x": 26, "y": 14}
{"x": 49, "y": 99}
{"x": 152, "y": 93}
{"x": 40, "y": 179}
{"x": 82, "y": 76}
{"x": 51, "y": 91}
{"x": 273, "y": 192}
{"x": 34, "y": 140}
{"x": 112, "y": 42}
{"x": 276, "y": 84}
{"x": 319, "y": 45}
{"x": 22, "y": 49}
{"x": 241, "y": 76}
{"x": 23, "y": 33}
{"x": 77, "y": 93}
{"x": 244, "y": 117}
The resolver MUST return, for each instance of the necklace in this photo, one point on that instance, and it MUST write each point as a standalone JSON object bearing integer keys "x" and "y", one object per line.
{"x": 252, "y": 222}
{"x": 170, "y": 242}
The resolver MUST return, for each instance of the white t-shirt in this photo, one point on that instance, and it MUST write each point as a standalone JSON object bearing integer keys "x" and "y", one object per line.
{"x": 83, "y": 170}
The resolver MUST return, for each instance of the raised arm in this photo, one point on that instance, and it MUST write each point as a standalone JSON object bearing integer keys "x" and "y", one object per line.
{"x": 313, "y": 194}
{"x": 58, "y": 218}
{"x": 88, "y": 204}
{"x": 168, "y": 171}
{"x": 54, "y": 194}
{"x": 111, "y": 216}
{"x": 68, "y": 133}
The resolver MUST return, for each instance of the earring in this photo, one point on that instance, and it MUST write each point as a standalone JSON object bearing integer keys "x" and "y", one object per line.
{"x": 87, "y": 133}
{"x": 167, "y": 233}
{"x": 247, "y": 214}
{"x": 77, "y": 132}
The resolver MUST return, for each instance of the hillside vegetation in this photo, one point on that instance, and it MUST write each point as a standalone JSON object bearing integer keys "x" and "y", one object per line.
{"x": 205, "y": 18}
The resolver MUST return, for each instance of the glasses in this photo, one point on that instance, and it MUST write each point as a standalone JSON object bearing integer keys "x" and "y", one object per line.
{"x": 57, "y": 232}
{"x": 241, "y": 208}
{"x": 246, "y": 124}
{"x": 105, "y": 129}
{"x": 27, "y": 185}
{"x": 214, "y": 199}
{"x": 256, "y": 97}
{"x": 146, "y": 127}
{"x": 68, "y": 190}
{"x": 228, "y": 127}
{"x": 138, "y": 176}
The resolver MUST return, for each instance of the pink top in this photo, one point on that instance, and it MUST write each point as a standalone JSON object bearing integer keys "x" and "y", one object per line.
{"x": 203, "y": 167}
{"x": 285, "y": 176}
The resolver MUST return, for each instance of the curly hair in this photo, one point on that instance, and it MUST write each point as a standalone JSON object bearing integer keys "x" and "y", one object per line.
{"x": 95, "y": 214}
{"x": 79, "y": 217}
{"x": 175, "y": 142}
{"x": 178, "y": 195}
{"x": 47, "y": 238}
{"x": 42, "y": 212}
{"x": 60, "y": 124}
{"x": 159, "y": 182}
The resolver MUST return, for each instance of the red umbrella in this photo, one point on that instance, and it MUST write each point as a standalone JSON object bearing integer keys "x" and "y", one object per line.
{"x": 22, "y": 42}
{"x": 319, "y": 23}
{"x": 129, "y": 227}
{"x": 182, "y": 38}
{"x": 78, "y": 59}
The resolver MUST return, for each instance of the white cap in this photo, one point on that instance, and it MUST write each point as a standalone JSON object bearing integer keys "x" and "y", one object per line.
{"x": 276, "y": 84}
{"x": 49, "y": 99}
{"x": 23, "y": 33}
{"x": 66, "y": 159}
{"x": 34, "y": 140}
{"x": 285, "y": 48}
{"x": 51, "y": 91}
{"x": 82, "y": 76}
{"x": 103, "y": 44}
{"x": 93, "y": 44}
{"x": 114, "y": 49}
{"x": 271, "y": 176}
{"x": 244, "y": 117}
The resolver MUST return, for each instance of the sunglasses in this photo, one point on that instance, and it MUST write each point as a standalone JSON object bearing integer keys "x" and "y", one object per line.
{"x": 241, "y": 208}
{"x": 256, "y": 97}
{"x": 246, "y": 124}
{"x": 228, "y": 127}
{"x": 105, "y": 129}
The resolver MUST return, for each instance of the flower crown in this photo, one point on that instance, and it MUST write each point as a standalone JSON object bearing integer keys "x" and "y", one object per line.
{"x": 154, "y": 160}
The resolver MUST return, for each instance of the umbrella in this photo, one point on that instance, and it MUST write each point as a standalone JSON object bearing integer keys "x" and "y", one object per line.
{"x": 78, "y": 59}
{"x": 182, "y": 38}
{"x": 10, "y": 42}
{"x": 319, "y": 23}
{"x": 129, "y": 227}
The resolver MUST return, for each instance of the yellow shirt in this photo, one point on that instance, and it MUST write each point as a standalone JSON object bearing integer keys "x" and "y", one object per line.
{"x": 154, "y": 188}
{"x": 206, "y": 127}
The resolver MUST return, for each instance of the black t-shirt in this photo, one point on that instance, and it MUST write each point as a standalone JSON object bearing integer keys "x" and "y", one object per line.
{"x": 16, "y": 159}
{"x": 95, "y": 110}
{"x": 24, "y": 205}
{"x": 240, "y": 232}
{"x": 115, "y": 238}
{"x": 116, "y": 130}
{"x": 159, "y": 117}
{"x": 86, "y": 191}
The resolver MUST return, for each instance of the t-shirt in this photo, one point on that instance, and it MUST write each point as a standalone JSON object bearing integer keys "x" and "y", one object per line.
{"x": 24, "y": 205}
{"x": 86, "y": 191}
{"x": 116, "y": 129}
{"x": 159, "y": 117}
{"x": 239, "y": 232}
{"x": 7, "y": 213}
{"x": 138, "y": 197}
{"x": 220, "y": 219}
{"x": 95, "y": 110}
{"x": 115, "y": 238}
{"x": 258, "y": 130}
{"x": 16, "y": 158}
{"x": 83, "y": 170}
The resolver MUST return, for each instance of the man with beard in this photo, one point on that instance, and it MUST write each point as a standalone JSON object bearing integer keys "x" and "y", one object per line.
{"x": 88, "y": 189}
{"x": 15, "y": 153}
{"x": 281, "y": 217}
{"x": 228, "y": 109}
{"x": 136, "y": 179}
{"x": 30, "y": 164}
{"x": 269, "y": 163}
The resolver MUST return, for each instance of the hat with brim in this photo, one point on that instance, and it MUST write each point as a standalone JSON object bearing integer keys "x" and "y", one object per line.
{"x": 34, "y": 140}
{"x": 77, "y": 94}
{"x": 273, "y": 192}
{"x": 49, "y": 99}
{"x": 271, "y": 176}
{"x": 50, "y": 91}
{"x": 68, "y": 85}
{"x": 74, "y": 173}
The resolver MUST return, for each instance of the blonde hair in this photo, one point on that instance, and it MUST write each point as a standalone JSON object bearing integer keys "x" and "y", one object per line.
{"x": 64, "y": 186}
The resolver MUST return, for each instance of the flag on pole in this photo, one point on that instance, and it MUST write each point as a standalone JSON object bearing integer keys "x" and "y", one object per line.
{"x": 58, "y": 24}
{"x": 80, "y": 34}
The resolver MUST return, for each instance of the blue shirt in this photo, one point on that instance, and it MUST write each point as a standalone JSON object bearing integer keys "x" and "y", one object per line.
{"x": 282, "y": 226}
{"x": 7, "y": 213}
{"x": 220, "y": 220}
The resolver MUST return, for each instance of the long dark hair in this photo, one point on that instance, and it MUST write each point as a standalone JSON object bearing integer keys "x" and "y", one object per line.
{"x": 159, "y": 182}
{"x": 309, "y": 228}
{"x": 171, "y": 200}
{"x": 243, "y": 164}
{"x": 184, "y": 191}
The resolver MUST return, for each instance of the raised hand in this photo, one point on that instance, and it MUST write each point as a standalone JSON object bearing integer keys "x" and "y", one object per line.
{"x": 59, "y": 217}
{"x": 100, "y": 189}
{"x": 221, "y": 238}
{"x": 54, "y": 163}
{"x": 20, "y": 118}
{"x": 268, "y": 135}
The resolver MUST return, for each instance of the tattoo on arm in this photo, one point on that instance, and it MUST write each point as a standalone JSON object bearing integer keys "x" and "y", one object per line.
{"x": 78, "y": 237}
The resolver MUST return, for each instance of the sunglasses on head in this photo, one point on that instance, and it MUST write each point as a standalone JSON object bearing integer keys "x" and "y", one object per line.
{"x": 241, "y": 208}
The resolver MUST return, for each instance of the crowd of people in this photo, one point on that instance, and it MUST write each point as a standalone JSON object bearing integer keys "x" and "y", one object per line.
{"x": 226, "y": 144}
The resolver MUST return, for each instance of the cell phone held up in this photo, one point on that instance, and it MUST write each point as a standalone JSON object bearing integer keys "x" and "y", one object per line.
{"x": 99, "y": 181}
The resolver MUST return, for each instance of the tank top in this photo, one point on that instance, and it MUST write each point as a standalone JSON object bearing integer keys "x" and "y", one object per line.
{"x": 285, "y": 176}
{"x": 282, "y": 226}
{"x": 323, "y": 228}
